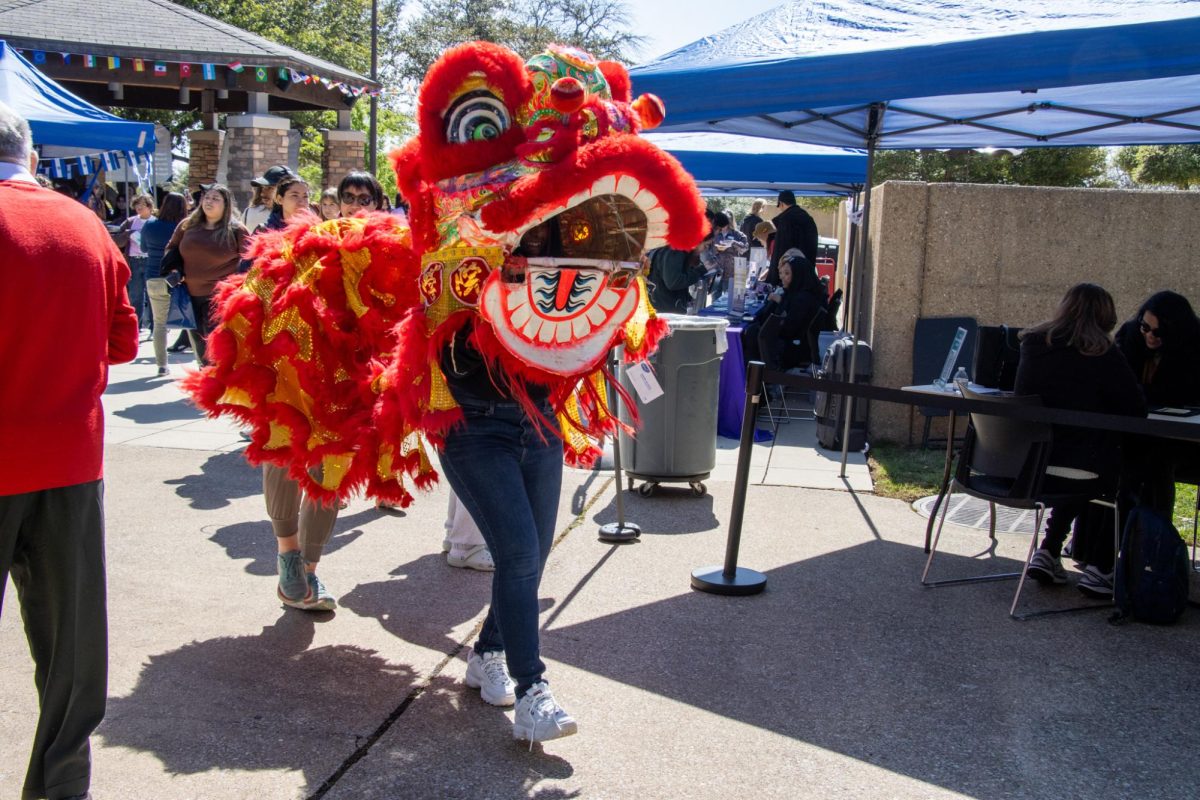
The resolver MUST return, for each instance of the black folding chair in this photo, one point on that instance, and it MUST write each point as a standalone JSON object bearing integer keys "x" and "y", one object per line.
{"x": 1005, "y": 461}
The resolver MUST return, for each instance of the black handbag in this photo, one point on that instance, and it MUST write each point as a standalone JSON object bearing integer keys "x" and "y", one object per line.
{"x": 997, "y": 353}
{"x": 172, "y": 261}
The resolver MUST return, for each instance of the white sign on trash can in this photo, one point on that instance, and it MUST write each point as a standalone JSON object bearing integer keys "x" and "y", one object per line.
{"x": 644, "y": 383}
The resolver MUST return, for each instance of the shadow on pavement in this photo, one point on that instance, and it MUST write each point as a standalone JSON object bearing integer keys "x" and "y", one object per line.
{"x": 175, "y": 411}
{"x": 222, "y": 477}
{"x": 848, "y": 652}
{"x": 673, "y": 509}
{"x": 258, "y": 702}
{"x": 256, "y": 540}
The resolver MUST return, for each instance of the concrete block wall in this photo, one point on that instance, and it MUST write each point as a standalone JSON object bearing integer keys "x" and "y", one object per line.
{"x": 344, "y": 152}
{"x": 204, "y": 157}
{"x": 1006, "y": 254}
{"x": 254, "y": 142}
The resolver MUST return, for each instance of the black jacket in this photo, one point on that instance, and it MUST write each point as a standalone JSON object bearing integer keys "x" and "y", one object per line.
{"x": 798, "y": 307}
{"x": 669, "y": 279}
{"x": 1176, "y": 380}
{"x": 1065, "y": 378}
{"x": 793, "y": 228}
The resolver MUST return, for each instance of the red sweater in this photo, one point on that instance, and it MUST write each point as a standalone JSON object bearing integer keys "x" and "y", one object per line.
{"x": 64, "y": 317}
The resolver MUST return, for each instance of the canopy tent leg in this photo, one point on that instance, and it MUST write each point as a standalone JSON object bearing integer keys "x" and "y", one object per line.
{"x": 875, "y": 120}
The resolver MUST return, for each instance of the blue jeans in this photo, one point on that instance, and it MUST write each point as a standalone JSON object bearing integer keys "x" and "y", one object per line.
{"x": 137, "y": 287}
{"x": 507, "y": 471}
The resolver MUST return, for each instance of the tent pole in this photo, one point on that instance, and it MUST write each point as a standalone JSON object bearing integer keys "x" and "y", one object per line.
{"x": 874, "y": 120}
{"x": 848, "y": 261}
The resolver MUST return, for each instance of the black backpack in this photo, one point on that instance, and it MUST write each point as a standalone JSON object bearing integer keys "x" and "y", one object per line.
{"x": 1151, "y": 580}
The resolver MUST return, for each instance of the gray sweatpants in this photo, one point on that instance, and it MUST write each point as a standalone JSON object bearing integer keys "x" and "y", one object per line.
{"x": 291, "y": 514}
{"x": 52, "y": 542}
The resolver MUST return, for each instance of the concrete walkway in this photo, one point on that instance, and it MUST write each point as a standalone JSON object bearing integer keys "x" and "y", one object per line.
{"x": 844, "y": 679}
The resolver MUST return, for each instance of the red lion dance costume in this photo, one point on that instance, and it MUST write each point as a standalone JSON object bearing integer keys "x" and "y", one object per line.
{"x": 329, "y": 347}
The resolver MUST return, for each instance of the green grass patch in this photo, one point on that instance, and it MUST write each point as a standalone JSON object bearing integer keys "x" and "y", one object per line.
{"x": 905, "y": 473}
{"x": 1185, "y": 509}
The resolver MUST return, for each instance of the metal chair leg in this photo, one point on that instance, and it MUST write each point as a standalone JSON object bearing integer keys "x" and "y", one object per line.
{"x": 1037, "y": 529}
{"x": 938, "y": 534}
{"x": 1072, "y": 609}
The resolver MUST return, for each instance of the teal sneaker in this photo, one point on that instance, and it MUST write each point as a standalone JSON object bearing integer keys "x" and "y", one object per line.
{"x": 319, "y": 598}
{"x": 293, "y": 585}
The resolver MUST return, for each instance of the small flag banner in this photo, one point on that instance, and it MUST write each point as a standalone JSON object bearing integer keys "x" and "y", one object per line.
{"x": 262, "y": 74}
{"x": 74, "y": 166}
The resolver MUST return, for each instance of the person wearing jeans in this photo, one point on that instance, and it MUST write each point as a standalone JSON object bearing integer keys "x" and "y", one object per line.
{"x": 506, "y": 469}
{"x": 156, "y": 233}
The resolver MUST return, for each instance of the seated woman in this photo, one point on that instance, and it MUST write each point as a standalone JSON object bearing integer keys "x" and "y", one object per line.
{"x": 1070, "y": 362}
{"x": 1162, "y": 345}
{"x": 788, "y": 313}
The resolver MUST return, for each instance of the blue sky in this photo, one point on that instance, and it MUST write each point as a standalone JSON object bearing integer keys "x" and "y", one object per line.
{"x": 673, "y": 23}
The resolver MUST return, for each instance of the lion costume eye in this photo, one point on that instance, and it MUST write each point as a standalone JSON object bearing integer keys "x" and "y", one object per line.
{"x": 475, "y": 117}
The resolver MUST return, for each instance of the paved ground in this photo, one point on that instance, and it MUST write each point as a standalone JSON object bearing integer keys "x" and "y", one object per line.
{"x": 844, "y": 679}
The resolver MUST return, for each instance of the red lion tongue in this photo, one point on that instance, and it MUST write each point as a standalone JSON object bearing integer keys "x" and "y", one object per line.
{"x": 566, "y": 282}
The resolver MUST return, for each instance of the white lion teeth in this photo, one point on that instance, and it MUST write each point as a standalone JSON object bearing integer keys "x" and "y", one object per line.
{"x": 515, "y": 299}
{"x": 522, "y": 315}
{"x": 562, "y": 333}
{"x": 531, "y": 328}
{"x": 653, "y": 242}
{"x": 546, "y": 334}
{"x": 580, "y": 327}
{"x": 608, "y": 299}
{"x": 656, "y": 230}
{"x": 656, "y": 214}
{"x": 605, "y": 185}
{"x": 595, "y": 315}
{"x": 644, "y": 200}
{"x": 627, "y": 186}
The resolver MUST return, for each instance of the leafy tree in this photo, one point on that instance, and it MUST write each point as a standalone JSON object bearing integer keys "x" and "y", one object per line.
{"x": 1036, "y": 166}
{"x": 599, "y": 26}
{"x": 1176, "y": 165}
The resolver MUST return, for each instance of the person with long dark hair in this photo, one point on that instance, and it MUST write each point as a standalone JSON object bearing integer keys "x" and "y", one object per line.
{"x": 1162, "y": 345}
{"x": 1070, "y": 362}
{"x": 156, "y": 233}
{"x": 210, "y": 242}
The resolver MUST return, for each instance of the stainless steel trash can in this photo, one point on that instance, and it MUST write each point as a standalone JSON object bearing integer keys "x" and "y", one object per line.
{"x": 677, "y": 440}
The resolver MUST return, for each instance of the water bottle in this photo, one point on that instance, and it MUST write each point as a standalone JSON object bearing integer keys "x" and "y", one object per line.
{"x": 961, "y": 376}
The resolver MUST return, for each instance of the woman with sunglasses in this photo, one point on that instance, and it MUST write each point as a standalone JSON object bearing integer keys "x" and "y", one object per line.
{"x": 1162, "y": 345}
{"x": 359, "y": 192}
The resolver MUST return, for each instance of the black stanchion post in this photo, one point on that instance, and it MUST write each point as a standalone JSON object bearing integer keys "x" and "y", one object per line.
{"x": 732, "y": 579}
{"x": 621, "y": 530}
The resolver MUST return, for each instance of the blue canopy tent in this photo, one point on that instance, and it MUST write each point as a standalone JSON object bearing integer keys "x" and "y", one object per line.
{"x": 903, "y": 74}
{"x": 59, "y": 118}
{"x": 729, "y": 164}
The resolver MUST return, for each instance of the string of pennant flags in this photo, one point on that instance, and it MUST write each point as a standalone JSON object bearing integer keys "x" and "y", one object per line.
{"x": 208, "y": 71}
{"x": 68, "y": 167}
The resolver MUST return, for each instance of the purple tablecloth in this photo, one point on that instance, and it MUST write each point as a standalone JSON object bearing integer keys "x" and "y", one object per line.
{"x": 731, "y": 396}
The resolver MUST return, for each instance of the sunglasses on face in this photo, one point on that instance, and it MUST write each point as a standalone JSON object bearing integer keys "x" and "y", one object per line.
{"x": 1156, "y": 332}
{"x": 361, "y": 199}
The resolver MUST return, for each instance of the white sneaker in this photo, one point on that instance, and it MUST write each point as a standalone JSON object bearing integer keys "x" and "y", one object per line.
{"x": 489, "y": 674}
{"x": 477, "y": 557}
{"x": 540, "y": 718}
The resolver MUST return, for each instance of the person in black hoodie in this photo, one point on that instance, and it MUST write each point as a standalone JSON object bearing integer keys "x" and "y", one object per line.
{"x": 1162, "y": 345}
{"x": 1070, "y": 362}
{"x": 794, "y": 228}
{"x": 788, "y": 313}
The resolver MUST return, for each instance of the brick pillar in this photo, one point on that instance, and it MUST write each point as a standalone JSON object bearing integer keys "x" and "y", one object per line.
{"x": 255, "y": 142}
{"x": 205, "y": 159}
{"x": 344, "y": 151}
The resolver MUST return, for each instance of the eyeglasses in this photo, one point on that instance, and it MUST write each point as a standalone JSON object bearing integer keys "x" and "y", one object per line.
{"x": 363, "y": 200}
{"x": 1156, "y": 332}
